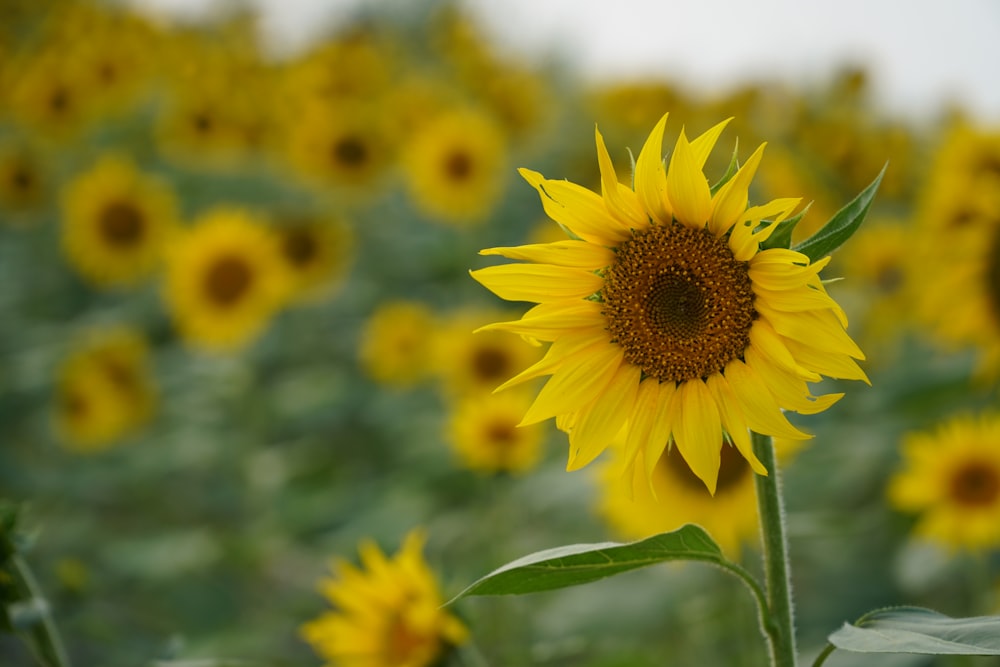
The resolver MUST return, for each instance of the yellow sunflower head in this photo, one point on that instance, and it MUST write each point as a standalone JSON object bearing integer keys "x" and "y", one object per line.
{"x": 455, "y": 167}
{"x": 397, "y": 343}
{"x": 225, "y": 279}
{"x": 104, "y": 391}
{"x": 317, "y": 253}
{"x": 23, "y": 180}
{"x": 950, "y": 478}
{"x": 116, "y": 222}
{"x": 483, "y": 431}
{"x": 49, "y": 92}
{"x": 670, "y": 326}
{"x": 387, "y": 612}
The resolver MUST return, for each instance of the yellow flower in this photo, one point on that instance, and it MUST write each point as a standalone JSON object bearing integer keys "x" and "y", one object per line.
{"x": 388, "y": 612}
{"x": 22, "y": 180}
{"x": 316, "y": 252}
{"x": 638, "y": 509}
{"x": 669, "y": 325}
{"x": 396, "y": 343}
{"x": 475, "y": 364}
{"x": 455, "y": 167}
{"x": 48, "y": 92}
{"x": 116, "y": 222}
{"x": 104, "y": 391}
{"x": 951, "y": 478}
{"x": 225, "y": 279}
{"x": 483, "y": 431}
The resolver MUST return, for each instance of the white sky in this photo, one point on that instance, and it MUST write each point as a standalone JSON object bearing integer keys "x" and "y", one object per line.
{"x": 920, "y": 53}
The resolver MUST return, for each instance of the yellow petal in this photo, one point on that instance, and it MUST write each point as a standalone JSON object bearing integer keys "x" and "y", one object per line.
{"x": 745, "y": 239}
{"x": 733, "y": 420}
{"x": 687, "y": 187}
{"x": 602, "y": 421}
{"x": 790, "y": 392}
{"x": 831, "y": 365}
{"x": 549, "y": 321}
{"x": 770, "y": 346}
{"x": 731, "y": 200}
{"x": 619, "y": 200}
{"x": 762, "y": 412}
{"x": 651, "y": 176}
{"x": 798, "y": 300}
{"x": 819, "y": 328}
{"x": 702, "y": 147}
{"x": 577, "y": 209}
{"x": 576, "y": 384}
{"x": 580, "y": 254}
{"x": 662, "y": 429}
{"x": 540, "y": 283}
{"x": 643, "y": 417}
{"x": 562, "y": 351}
{"x": 698, "y": 436}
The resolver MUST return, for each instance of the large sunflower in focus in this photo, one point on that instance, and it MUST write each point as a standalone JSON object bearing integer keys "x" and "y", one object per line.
{"x": 669, "y": 325}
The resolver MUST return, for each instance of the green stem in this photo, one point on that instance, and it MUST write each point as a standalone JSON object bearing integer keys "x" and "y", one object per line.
{"x": 824, "y": 654}
{"x": 778, "y": 626}
{"x": 43, "y": 638}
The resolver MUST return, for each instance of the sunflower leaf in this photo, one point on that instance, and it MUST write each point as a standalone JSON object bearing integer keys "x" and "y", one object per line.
{"x": 781, "y": 237}
{"x": 577, "y": 564}
{"x": 734, "y": 166}
{"x": 921, "y": 631}
{"x": 842, "y": 225}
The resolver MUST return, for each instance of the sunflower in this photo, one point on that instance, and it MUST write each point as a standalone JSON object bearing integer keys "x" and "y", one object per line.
{"x": 22, "y": 180}
{"x": 388, "y": 612}
{"x": 225, "y": 279}
{"x": 668, "y": 323}
{"x": 483, "y": 431}
{"x": 637, "y": 509}
{"x": 396, "y": 343}
{"x": 316, "y": 252}
{"x": 455, "y": 167}
{"x": 474, "y": 364}
{"x": 950, "y": 477}
{"x": 49, "y": 93}
{"x": 104, "y": 391}
{"x": 116, "y": 221}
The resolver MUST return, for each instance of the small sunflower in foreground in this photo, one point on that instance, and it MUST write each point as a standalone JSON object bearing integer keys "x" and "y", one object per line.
{"x": 317, "y": 254}
{"x": 225, "y": 279}
{"x": 455, "y": 167}
{"x": 637, "y": 509}
{"x": 388, "y": 612}
{"x": 483, "y": 431}
{"x": 951, "y": 478}
{"x": 116, "y": 222}
{"x": 104, "y": 391}
{"x": 669, "y": 325}
{"x": 396, "y": 347}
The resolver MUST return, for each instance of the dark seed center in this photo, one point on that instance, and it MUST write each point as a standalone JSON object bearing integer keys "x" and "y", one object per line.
{"x": 299, "y": 246}
{"x": 228, "y": 280}
{"x": 350, "y": 151}
{"x": 458, "y": 166}
{"x": 121, "y": 224}
{"x": 490, "y": 363}
{"x": 976, "y": 484}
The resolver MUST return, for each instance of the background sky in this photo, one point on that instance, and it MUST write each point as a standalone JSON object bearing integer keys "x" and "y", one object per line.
{"x": 921, "y": 54}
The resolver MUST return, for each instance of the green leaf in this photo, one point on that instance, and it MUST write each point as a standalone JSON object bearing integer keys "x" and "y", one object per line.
{"x": 781, "y": 237}
{"x": 582, "y": 563}
{"x": 842, "y": 225}
{"x": 734, "y": 166}
{"x": 919, "y": 630}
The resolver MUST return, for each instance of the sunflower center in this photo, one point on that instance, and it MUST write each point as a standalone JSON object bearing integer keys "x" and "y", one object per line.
{"x": 678, "y": 302}
{"x": 458, "y": 166}
{"x": 501, "y": 434}
{"x": 975, "y": 484}
{"x": 490, "y": 363}
{"x": 121, "y": 224}
{"x": 732, "y": 469}
{"x": 299, "y": 247}
{"x": 59, "y": 100}
{"x": 203, "y": 123}
{"x": 350, "y": 151}
{"x": 228, "y": 280}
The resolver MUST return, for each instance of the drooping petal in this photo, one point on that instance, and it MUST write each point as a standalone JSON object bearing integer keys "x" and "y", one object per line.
{"x": 687, "y": 187}
{"x": 580, "y": 254}
{"x": 540, "y": 283}
{"x": 641, "y": 422}
{"x": 790, "y": 392}
{"x": 818, "y": 328}
{"x": 601, "y": 422}
{"x": 762, "y": 412}
{"x": 831, "y": 365}
{"x": 576, "y": 383}
{"x": 621, "y": 201}
{"x": 698, "y": 435}
{"x": 730, "y": 201}
{"x": 651, "y": 176}
{"x": 799, "y": 300}
{"x": 577, "y": 209}
{"x": 733, "y": 420}
{"x": 770, "y": 346}
{"x": 663, "y": 427}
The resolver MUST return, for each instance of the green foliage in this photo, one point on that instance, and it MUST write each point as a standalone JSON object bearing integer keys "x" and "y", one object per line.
{"x": 919, "y": 630}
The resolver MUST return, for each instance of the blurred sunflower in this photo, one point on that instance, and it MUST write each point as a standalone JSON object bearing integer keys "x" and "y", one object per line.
{"x": 388, "y": 613}
{"x": 22, "y": 180}
{"x": 225, "y": 279}
{"x": 950, "y": 477}
{"x": 477, "y": 363}
{"x": 970, "y": 154}
{"x": 49, "y": 93}
{"x": 483, "y": 431}
{"x": 104, "y": 391}
{"x": 316, "y": 252}
{"x": 636, "y": 507}
{"x": 396, "y": 347}
{"x": 669, "y": 325}
{"x": 116, "y": 222}
{"x": 455, "y": 167}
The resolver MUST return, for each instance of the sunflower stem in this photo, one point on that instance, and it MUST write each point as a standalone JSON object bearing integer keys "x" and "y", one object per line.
{"x": 779, "y": 624}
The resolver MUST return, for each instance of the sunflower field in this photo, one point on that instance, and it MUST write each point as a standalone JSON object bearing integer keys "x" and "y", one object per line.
{"x": 245, "y": 419}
